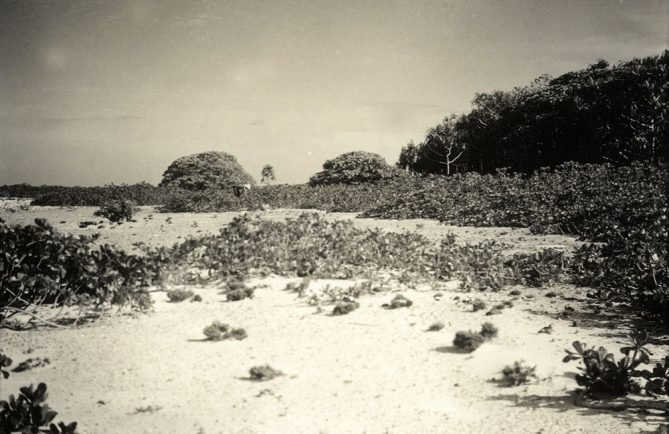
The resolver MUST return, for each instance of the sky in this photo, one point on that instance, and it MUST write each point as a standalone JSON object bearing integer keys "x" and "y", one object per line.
{"x": 94, "y": 92}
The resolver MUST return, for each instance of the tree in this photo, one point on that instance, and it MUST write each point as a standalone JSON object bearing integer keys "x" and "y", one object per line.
{"x": 355, "y": 168}
{"x": 206, "y": 170}
{"x": 267, "y": 174}
{"x": 440, "y": 150}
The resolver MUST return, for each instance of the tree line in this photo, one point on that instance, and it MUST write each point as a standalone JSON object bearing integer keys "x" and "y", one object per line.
{"x": 600, "y": 114}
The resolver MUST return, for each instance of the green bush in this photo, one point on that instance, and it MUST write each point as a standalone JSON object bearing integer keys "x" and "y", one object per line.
{"x": 207, "y": 170}
{"x": 355, "y": 168}
{"x": 41, "y": 266}
{"x": 28, "y": 412}
{"x": 117, "y": 210}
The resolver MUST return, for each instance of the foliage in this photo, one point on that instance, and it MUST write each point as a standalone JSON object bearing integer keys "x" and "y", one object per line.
{"x": 116, "y": 210}
{"x": 436, "y": 326}
{"x": 354, "y": 168}
{"x": 178, "y": 295}
{"x": 140, "y": 194}
{"x": 263, "y": 373}
{"x": 489, "y": 331}
{"x": 602, "y": 374}
{"x": 478, "y": 304}
{"x": 29, "y": 413}
{"x": 267, "y": 174}
{"x": 538, "y": 269}
{"x": 517, "y": 374}
{"x": 470, "y": 340}
{"x": 205, "y": 170}
{"x": 616, "y": 114}
{"x": 218, "y": 331}
{"x": 398, "y": 301}
{"x": 345, "y": 307}
{"x": 40, "y": 265}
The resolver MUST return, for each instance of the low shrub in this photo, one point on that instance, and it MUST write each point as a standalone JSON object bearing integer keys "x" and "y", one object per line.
{"x": 436, "y": 326}
{"x": 478, "y": 304}
{"x": 179, "y": 295}
{"x": 345, "y": 307}
{"x": 28, "y": 412}
{"x": 397, "y": 302}
{"x": 518, "y": 374}
{"x": 601, "y": 374}
{"x": 470, "y": 341}
{"x": 218, "y": 331}
{"x": 263, "y": 373}
{"x": 116, "y": 210}
{"x": 41, "y": 266}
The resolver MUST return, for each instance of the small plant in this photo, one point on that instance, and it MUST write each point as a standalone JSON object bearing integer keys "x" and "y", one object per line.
{"x": 489, "y": 331}
{"x": 345, "y": 307}
{"x": 148, "y": 409}
{"x": 469, "y": 340}
{"x": 116, "y": 210}
{"x": 179, "y": 295}
{"x": 263, "y": 373}
{"x": 398, "y": 302}
{"x": 478, "y": 304}
{"x": 515, "y": 292}
{"x": 517, "y": 374}
{"x": 29, "y": 413}
{"x": 436, "y": 326}
{"x": 602, "y": 374}
{"x": 218, "y": 331}
{"x": 5, "y": 362}
{"x": 239, "y": 294}
{"x": 196, "y": 298}
{"x": 31, "y": 363}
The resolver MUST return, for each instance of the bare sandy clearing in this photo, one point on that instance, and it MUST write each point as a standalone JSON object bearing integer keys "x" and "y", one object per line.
{"x": 374, "y": 370}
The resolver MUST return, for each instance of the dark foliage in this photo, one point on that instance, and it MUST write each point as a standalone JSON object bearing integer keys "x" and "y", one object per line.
{"x": 355, "y": 168}
{"x": 204, "y": 171}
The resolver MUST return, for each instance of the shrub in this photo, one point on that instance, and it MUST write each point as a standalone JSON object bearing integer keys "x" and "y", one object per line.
{"x": 489, "y": 331}
{"x": 179, "y": 295}
{"x": 217, "y": 331}
{"x": 478, "y": 304}
{"x": 398, "y": 302}
{"x": 116, "y": 210}
{"x": 601, "y": 373}
{"x": 239, "y": 294}
{"x": 517, "y": 374}
{"x": 354, "y": 168}
{"x": 207, "y": 170}
{"x": 469, "y": 340}
{"x": 263, "y": 373}
{"x": 39, "y": 265}
{"x": 345, "y": 307}
{"x": 436, "y": 326}
{"x": 29, "y": 413}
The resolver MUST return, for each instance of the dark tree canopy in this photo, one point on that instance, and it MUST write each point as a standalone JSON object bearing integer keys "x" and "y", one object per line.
{"x": 600, "y": 114}
{"x": 205, "y": 170}
{"x": 354, "y": 168}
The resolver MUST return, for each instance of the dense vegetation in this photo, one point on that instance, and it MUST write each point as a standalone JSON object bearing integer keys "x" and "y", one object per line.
{"x": 204, "y": 171}
{"x": 355, "y": 168}
{"x": 601, "y": 114}
{"x": 39, "y": 266}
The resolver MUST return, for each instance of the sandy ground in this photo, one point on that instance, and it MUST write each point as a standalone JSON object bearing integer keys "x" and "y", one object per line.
{"x": 372, "y": 371}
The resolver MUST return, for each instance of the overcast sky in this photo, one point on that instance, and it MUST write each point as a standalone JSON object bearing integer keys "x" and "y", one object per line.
{"x": 101, "y": 91}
